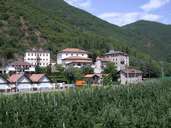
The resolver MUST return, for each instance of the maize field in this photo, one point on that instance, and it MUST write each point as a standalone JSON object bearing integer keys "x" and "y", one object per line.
{"x": 137, "y": 106}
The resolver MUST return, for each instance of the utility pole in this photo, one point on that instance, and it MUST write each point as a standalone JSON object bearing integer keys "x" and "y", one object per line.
{"x": 162, "y": 69}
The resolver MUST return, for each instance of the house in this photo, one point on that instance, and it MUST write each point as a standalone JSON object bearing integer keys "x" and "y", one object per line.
{"x": 73, "y": 57}
{"x": 20, "y": 82}
{"x": 130, "y": 76}
{"x": 120, "y": 59}
{"x": 93, "y": 78}
{"x": 37, "y": 57}
{"x": 41, "y": 82}
{"x": 20, "y": 66}
{"x": 4, "y": 85}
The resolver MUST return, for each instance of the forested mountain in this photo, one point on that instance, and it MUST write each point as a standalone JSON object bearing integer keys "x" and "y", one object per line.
{"x": 53, "y": 24}
{"x": 156, "y": 38}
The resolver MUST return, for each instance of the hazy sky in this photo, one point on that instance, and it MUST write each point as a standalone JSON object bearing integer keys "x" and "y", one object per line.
{"x": 121, "y": 12}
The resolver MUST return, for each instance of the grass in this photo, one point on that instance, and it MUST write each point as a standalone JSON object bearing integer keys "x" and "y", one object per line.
{"x": 137, "y": 106}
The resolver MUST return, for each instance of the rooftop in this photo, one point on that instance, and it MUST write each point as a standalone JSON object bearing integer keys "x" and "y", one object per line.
{"x": 74, "y": 50}
{"x": 77, "y": 58}
{"x": 14, "y": 78}
{"x": 37, "y": 50}
{"x": 20, "y": 63}
{"x": 111, "y": 52}
{"x": 36, "y": 77}
{"x": 131, "y": 71}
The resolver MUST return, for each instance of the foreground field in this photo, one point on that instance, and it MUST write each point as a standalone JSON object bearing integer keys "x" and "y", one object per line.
{"x": 142, "y": 106}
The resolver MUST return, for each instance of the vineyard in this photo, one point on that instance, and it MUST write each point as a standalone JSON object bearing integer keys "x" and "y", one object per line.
{"x": 140, "y": 106}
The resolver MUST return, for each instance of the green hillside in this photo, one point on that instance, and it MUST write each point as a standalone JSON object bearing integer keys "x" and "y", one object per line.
{"x": 155, "y": 38}
{"x": 53, "y": 24}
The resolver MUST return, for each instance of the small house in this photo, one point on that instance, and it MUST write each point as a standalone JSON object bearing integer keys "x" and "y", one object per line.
{"x": 130, "y": 76}
{"x": 95, "y": 79}
{"x": 41, "y": 82}
{"x": 20, "y": 82}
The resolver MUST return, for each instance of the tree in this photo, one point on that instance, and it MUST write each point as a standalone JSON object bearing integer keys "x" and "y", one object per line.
{"x": 72, "y": 74}
{"x": 87, "y": 70}
{"x": 111, "y": 71}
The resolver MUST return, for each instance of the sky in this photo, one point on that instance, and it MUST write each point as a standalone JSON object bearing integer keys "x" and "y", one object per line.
{"x": 122, "y": 12}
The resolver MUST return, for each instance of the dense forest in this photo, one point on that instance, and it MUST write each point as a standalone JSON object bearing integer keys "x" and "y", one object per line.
{"x": 139, "y": 106}
{"x": 53, "y": 24}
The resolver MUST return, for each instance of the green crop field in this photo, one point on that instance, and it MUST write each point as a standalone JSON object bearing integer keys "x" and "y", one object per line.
{"x": 140, "y": 106}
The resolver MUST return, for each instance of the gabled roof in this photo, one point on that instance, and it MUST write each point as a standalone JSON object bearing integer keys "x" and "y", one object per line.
{"x": 74, "y": 50}
{"x": 91, "y": 75}
{"x": 36, "y": 77}
{"x": 15, "y": 77}
{"x": 1, "y": 77}
{"x": 96, "y": 74}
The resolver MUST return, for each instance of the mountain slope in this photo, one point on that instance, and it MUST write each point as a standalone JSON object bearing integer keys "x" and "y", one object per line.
{"x": 155, "y": 38}
{"x": 53, "y": 24}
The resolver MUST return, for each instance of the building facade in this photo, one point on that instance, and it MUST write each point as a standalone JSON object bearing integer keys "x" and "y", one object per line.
{"x": 120, "y": 59}
{"x": 73, "y": 57}
{"x": 20, "y": 82}
{"x": 38, "y": 57}
{"x": 20, "y": 66}
{"x": 130, "y": 76}
{"x": 41, "y": 82}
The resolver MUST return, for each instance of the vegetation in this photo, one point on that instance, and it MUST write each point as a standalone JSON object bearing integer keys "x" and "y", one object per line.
{"x": 139, "y": 106}
{"x": 53, "y": 24}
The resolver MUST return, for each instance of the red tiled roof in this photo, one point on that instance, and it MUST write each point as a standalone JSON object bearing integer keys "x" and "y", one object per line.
{"x": 73, "y": 50}
{"x": 14, "y": 78}
{"x": 36, "y": 77}
{"x": 92, "y": 75}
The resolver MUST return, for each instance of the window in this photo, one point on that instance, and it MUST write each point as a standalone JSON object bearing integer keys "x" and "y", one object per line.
{"x": 122, "y": 62}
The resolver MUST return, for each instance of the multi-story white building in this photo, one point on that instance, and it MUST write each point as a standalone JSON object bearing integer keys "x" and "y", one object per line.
{"x": 37, "y": 57}
{"x": 130, "y": 76}
{"x": 120, "y": 59}
{"x": 73, "y": 57}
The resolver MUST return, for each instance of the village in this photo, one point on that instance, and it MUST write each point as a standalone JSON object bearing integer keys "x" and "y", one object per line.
{"x": 21, "y": 76}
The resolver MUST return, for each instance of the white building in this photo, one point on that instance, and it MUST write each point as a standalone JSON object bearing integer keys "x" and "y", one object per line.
{"x": 120, "y": 59}
{"x": 41, "y": 82}
{"x": 73, "y": 57}
{"x": 38, "y": 57}
{"x": 20, "y": 66}
{"x": 20, "y": 82}
{"x": 130, "y": 76}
